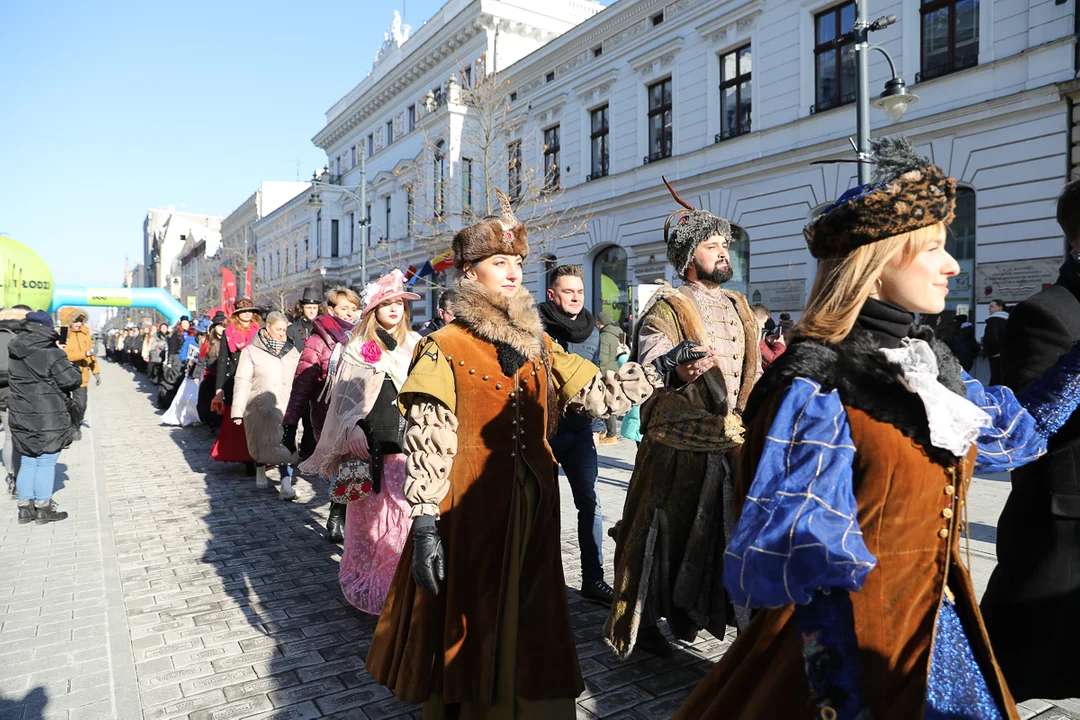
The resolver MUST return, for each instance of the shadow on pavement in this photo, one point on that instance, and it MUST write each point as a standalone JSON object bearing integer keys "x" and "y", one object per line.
{"x": 30, "y": 707}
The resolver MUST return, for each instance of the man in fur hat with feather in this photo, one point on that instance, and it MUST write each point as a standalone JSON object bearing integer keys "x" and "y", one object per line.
{"x": 670, "y": 542}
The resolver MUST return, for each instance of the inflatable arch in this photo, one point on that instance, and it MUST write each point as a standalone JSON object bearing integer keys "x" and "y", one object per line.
{"x": 27, "y": 281}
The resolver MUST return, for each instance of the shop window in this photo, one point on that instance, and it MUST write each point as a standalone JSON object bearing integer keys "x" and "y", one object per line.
{"x": 610, "y": 284}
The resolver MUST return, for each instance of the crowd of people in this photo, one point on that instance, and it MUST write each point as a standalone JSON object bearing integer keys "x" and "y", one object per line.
{"x": 801, "y": 481}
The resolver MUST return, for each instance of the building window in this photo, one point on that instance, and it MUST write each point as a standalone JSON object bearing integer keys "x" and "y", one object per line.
{"x": 834, "y": 58}
{"x": 950, "y": 37}
{"x": 367, "y": 224}
{"x": 598, "y": 51}
{"x": 466, "y": 184}
{"x": 370, "y": 144}
{"x": 437, "y": 92}
{"x": 551, "y": 158}
{"x": 513, "y": 96}
{"x": 659, "y": 121}
{"x": 440, "y": 180}
{"x": 412, "y": 118}
{"x": 389, "y": 132}
{"x": 739, "y": 253}
{"x": 550, "y": 76}
{"x": 514, "y": 184}
{"x": 466, "y": 77}
{"x": 352, "y": 232}
{"x": 960, "y": 243}
{"x": 387, "y": 216}
{"x": 353, "y": 156}
{"x": 410, "y": 211}
{"x": 657, "y": 19}
{"x": 334, "y": 238}
{"x": 599, "y": 124}
{"x": 736, "y": 95}
{"x": 610, "y": 284}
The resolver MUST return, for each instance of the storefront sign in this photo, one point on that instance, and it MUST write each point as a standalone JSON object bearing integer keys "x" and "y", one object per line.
{"x": 779, "y": 295}
{"x": 1014, "y": 280}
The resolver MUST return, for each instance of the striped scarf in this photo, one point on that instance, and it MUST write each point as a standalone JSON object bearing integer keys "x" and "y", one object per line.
{"x": 274, "y": 346}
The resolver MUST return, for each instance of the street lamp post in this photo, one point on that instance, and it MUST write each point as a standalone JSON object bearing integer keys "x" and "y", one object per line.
{"x": 315, "y": 200}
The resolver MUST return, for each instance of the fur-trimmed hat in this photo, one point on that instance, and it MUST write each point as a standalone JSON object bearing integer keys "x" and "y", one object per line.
{"x": 906, "y": 192}
{"x": 502, "y": 235}
{"x": 691, "y": 228}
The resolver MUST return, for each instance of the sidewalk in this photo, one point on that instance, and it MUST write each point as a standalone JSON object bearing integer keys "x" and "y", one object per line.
{"x": 179, "y": 590}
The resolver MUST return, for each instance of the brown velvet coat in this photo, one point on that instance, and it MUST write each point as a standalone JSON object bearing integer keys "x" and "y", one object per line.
{"x": 910, "y": 512}
{"x": 446, "y": 644}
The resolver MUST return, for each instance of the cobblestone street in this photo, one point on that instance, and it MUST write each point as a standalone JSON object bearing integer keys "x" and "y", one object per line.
{"x": 179, "y": 590}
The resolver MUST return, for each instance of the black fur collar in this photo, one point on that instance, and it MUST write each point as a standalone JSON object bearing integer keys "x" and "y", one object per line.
{"x": 387, "y": 339}
{"x": 865, "y": 380}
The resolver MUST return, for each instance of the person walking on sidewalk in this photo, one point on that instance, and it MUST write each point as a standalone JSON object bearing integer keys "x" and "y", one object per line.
{"x": 264, "y": 376}
{"x": 159, "y": 345}
{"x": 40, "y": 410}
{"x": 240, "y": 329}
{"x": 11, "y": 325}
{"x": 993, "y": 340}
{"x": 572, "y": 326}
{"x": 302, "y": 323}
{"x": 611, "y": 340}
{"x": 80, "y": 351}
{"x": 362, "y": 445}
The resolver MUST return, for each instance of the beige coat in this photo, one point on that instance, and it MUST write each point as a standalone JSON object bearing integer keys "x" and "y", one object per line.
{"x": 260, "y": 396}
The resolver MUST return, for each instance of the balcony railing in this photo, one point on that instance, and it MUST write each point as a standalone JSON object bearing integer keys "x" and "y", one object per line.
{"x": 656, "y": 156}
{"x": 943, "y": 69}
{"x": 733, "y": 131}
{"x": 832, "y": 102}
{"x": 602, "y": 172}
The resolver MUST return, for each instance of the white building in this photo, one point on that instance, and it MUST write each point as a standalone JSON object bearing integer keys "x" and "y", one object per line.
{"x": 198, "y": 267}
{"x": 165, "y": 231}
{"x": 733, "y": 101}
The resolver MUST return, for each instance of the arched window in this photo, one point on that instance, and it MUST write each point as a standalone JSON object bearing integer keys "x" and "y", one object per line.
{"x": 610, "y": 284}
{"x": 739, "y": 252}
{"x": 440, "y": 179}
{"x": 960, "y": 243}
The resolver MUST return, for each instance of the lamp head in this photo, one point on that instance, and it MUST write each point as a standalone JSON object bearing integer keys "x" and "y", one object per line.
{"x": 894, "y": 100}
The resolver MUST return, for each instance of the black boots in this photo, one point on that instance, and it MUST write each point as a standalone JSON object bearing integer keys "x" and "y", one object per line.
{"x": 598, "y": 591}
{"x": 26, "y": 512}
{"x": 335, "y": 524}
{"x": 651, "y": 639}
{"x": 48, "y": 513}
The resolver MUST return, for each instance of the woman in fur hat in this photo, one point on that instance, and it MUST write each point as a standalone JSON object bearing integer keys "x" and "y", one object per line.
{"x": 240, "y": 330}
{"x": 860, "y": 446}
{"x": 364, "y": 426}
{"x": 476, "y": 623}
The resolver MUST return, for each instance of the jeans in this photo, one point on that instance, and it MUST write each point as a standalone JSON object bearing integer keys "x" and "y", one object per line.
{"x": 576, "y": 453}
{"x": 37, "y": 477}
{"x": 11, "y": 457}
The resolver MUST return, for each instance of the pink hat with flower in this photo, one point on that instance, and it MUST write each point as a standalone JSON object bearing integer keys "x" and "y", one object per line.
{"x": 390, "y": 286}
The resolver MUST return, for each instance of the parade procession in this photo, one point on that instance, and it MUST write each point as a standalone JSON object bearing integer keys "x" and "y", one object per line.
{"x": 494, "y": 419}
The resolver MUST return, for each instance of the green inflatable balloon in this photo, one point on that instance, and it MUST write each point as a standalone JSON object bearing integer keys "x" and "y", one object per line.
{"x": 26, "y": 279}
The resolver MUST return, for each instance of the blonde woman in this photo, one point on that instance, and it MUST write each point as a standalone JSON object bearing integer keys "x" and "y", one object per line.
{"x": 363, "y": 423}
{"x": 261, "y": 387}
{"x": 860, "y": 446}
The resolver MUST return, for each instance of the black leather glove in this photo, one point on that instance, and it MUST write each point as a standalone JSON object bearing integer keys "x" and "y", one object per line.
{"x": 429, "y": 561}
{"x": 288, "y": 437}
{"x": 97, "y": 380}
{"x": 684, "y": 352}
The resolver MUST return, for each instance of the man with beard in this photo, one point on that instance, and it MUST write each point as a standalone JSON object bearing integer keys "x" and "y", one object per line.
{"x": 568, "y": 323}
{"x": 677, "y": 517}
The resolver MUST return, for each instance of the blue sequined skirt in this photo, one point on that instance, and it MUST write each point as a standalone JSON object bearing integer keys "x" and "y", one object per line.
{"x": 956, "y": 688}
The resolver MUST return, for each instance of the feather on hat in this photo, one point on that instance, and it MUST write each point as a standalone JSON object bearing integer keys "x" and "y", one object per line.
{"x": 503, "y": 234}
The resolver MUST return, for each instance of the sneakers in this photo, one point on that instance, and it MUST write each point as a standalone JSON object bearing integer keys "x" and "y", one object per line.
{"x": 287, "y": 492}
{"x": 26, "y": 512}
{"x": 598, "y": 591}
{"x": 48, "y": 513}
{"x": 260, "y": 477}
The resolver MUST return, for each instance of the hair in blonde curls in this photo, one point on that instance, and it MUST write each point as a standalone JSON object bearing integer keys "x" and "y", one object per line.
{"x": 843, "y": 284}
{"x": 366, "y": 329}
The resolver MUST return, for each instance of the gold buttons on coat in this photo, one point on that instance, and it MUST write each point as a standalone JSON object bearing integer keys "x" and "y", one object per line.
{"x": 473, "y": 371}
{"x": 533, "y": 372}
{"x": 950, "y": 490}
{"x": 511, "y": 394}
{"x": 461, "y": 362}
{"x": 486, "y": 377}
{"x": 498, "y": 386}
{"x": 943, "y": 533}
{"x": 947, "y": 513}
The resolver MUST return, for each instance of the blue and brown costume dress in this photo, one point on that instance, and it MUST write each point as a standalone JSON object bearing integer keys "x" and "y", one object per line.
{"x": 848, "y": 539}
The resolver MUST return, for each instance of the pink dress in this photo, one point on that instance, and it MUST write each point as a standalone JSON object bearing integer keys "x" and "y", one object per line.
{"x": 376, "y": 528}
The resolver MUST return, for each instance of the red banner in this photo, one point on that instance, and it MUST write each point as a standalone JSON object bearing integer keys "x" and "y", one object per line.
{"x": 228, "y": 290}
{"x": 247, "y": 283}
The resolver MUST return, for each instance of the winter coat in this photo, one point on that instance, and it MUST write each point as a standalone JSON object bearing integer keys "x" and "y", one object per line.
{"x": 229, "y": 355}
{"x": 1030, "y": 604}
{"x": 431, "y": 326}
{"x": 311, "y": 372}
{"x": 159, "y": 345}
{"x": 78, "y": 344}
{"x": 588, "y": 349}
{"x": 299, "y": 332}
{"x": 770, "y": 349}
{"x": 40, "y": 377}
{"x": 11, "y": 324}
{"x": 610, "y": 339}
{"x": 260, "y": 394}
{"x": 994, "y": 336}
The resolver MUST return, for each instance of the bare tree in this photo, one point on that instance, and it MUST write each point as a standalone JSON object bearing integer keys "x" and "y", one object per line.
{"x": 453, "y": 178}
{"x": 285, "y": 255}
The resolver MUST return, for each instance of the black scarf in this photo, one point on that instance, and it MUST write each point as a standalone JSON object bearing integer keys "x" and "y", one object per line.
{"x": 887, "y": 323}
{"x": 561, "y": 326}
{"x": 1069, "y": 278}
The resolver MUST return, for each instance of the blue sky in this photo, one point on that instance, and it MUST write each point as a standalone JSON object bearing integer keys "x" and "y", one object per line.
{"x": 109, "y": 109}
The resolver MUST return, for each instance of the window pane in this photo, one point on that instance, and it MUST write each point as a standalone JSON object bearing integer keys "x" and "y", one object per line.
{"x": 667, "y": 132}
{"x": 745, "y": 60}
{"x": 826, "y": 77}
{"x": 597, "y": 156}
{"x": 656, "y": 95}
{"x": 597, "y": 121}
{"x": 745, "y": 103}
{"x": 935, "y": 37}
{"x": 728, "y": 110}
{"x": 847, "y": 80}
{"x": 826, "y": 27}
{"x": 610, "y": 284}
{"x": 604, "y": 113}
{"x": 655, "y": 123}
{"x": 967, "y": 33}
{"x": 667, "y": 92}
{"x": 728, "y": 69}
{"x": 847, "y": 18}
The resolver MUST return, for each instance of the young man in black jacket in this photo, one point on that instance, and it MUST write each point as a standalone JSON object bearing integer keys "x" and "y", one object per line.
{"x": 572, "y": 326}
{"x": 1031, "y": 604}
{"x": 994, "y": 339}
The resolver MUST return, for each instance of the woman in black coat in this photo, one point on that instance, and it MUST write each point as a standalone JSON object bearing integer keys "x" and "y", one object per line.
{"x": 40, "y": 379}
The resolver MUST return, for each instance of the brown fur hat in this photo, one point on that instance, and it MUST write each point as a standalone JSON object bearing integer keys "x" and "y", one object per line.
{"x": 907, "y": 192}
{"x": 503, "y": 235}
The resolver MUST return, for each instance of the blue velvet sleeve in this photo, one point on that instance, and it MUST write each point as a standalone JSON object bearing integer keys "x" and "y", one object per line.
{"x": 799, "y": 530}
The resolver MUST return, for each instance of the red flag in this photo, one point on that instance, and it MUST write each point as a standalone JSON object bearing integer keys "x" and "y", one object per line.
{"x": 228, "y": 290}
{"x": 410, "y": 272}
{"x": 247, "y": 282}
